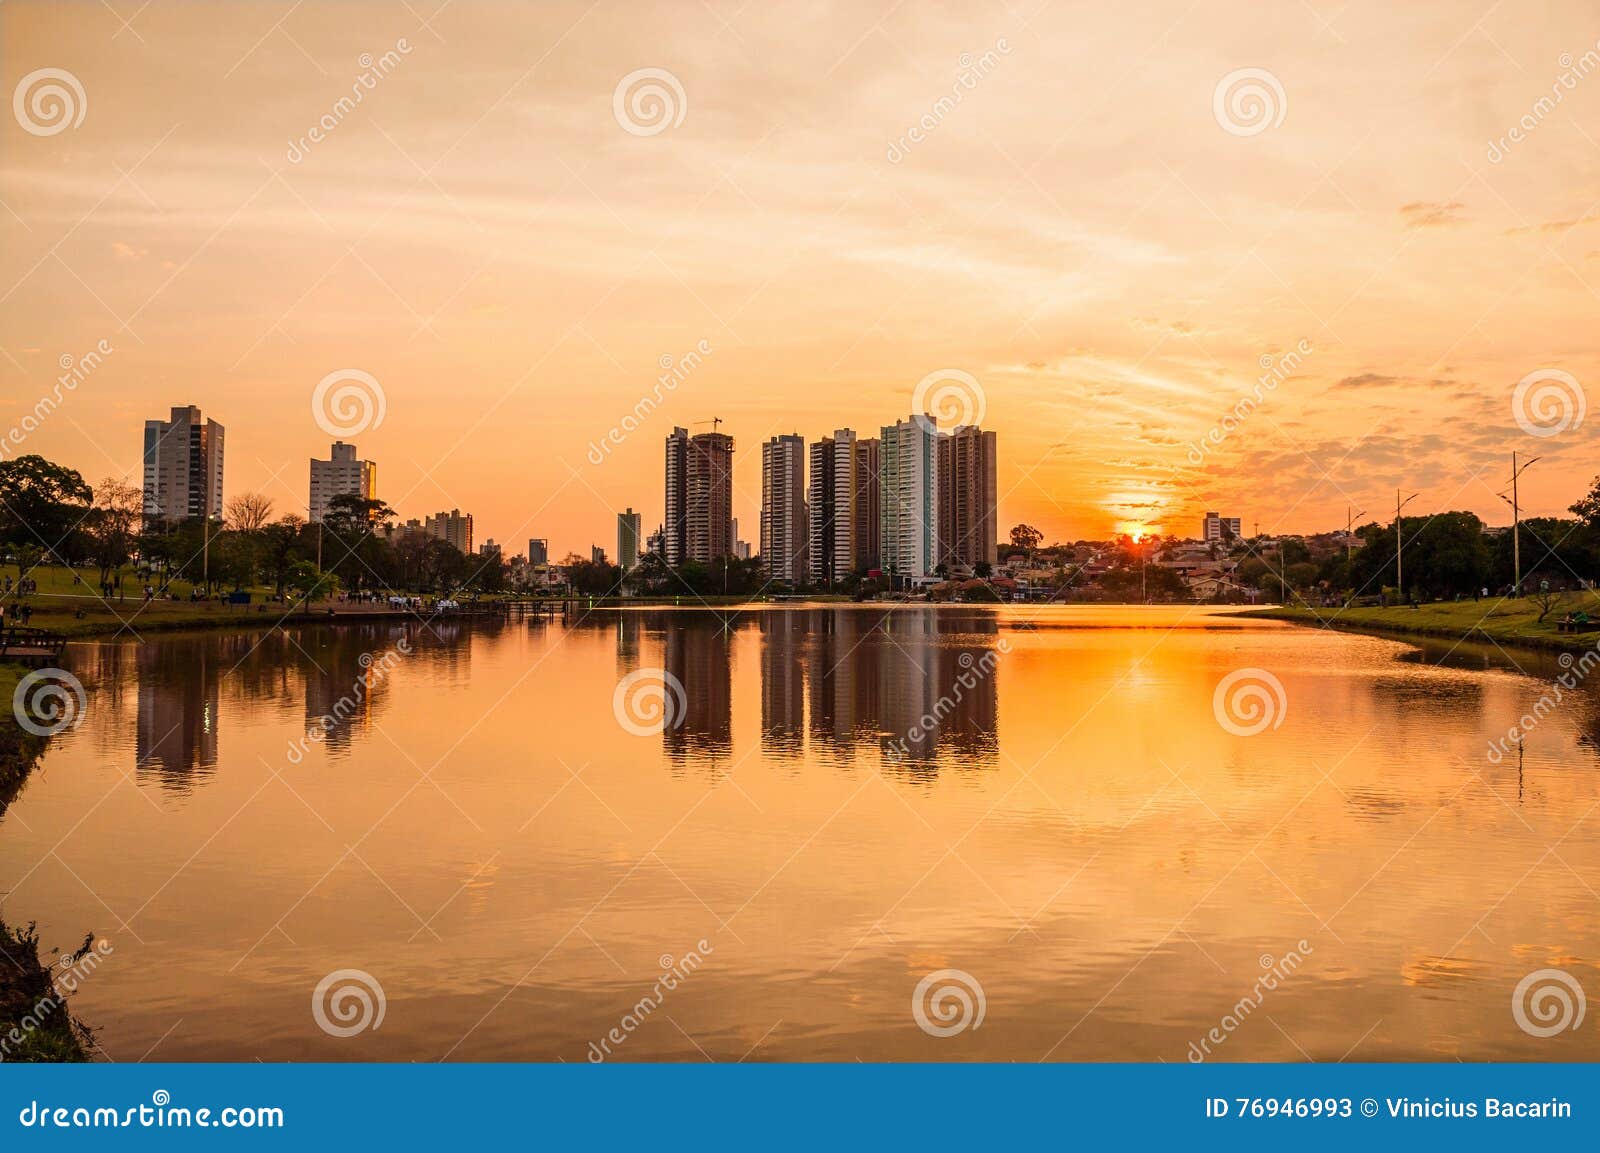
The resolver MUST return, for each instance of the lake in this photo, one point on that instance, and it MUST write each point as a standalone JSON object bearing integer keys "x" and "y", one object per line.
{"x": 820, "y": 833}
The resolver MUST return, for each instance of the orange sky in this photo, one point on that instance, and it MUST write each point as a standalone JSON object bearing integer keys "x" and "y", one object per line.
{"x": 1078, "y": 232}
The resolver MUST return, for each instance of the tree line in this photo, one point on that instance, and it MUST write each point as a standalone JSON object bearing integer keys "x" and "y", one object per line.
{"x": 48, "y": 512}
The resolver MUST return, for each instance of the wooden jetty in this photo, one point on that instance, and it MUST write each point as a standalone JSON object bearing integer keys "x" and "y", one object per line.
{"x": 33, "y": 647}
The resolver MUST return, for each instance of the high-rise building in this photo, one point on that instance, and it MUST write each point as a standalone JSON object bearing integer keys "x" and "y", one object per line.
{"x": 628, "y": 539}
{"x": 908, "y": 478}
{"x": 1216, "y": 527}
{"x": 967, "y": 498}
{"x": 182, "y": 466}
{"x": 340, "y": 475}
{"x": 453, "y": 527}
{"x": 699, "y": 497}
{"x": 675, "y": 528}
{"x": 868, "y": 502}
{"x": 831, "y": 498}
{"x": 489, "y": 548}
{"x": 538, "y": 550}
{"x": 783, "y": 508}
{"x": 597, "y": 555}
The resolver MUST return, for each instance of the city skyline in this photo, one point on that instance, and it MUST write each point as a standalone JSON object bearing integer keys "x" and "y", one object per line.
{"x": 1114, "y": 305}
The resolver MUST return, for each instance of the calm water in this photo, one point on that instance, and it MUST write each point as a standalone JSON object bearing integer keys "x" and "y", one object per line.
{"x": 848, "y": 801}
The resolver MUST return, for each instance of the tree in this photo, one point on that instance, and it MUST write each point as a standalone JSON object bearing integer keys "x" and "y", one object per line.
{"x": 278, "y": 550}
{"x": 592, "y": 578}
{"x": 1547, "y": 598}
{"x": 1445, "y": 554}
{"x": 1026, "y": 537}
{"x": 40, "y": 502}
{"x": 249, "y": 511}
{"x": 113, "y": 524}
{"x": 355, "y": 552}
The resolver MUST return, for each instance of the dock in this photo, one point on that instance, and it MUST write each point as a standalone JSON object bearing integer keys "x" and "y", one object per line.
{"x": 35, "y": 648}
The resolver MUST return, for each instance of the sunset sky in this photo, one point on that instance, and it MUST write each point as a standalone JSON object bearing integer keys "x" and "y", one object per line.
{"x": 1079, "y": 232}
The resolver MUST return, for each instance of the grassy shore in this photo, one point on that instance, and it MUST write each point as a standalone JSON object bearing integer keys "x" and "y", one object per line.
{"x": 1500, "y": 620}
{"x": 36, "y": 1024}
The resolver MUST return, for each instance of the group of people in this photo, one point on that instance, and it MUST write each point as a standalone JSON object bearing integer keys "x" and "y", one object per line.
{"x": 22, "y": 612}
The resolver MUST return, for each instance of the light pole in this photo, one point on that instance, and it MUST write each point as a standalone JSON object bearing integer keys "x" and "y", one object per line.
{"x": 1399, "y": 578}
{"x": 1349, "y": 525}
{"x": 1516, "y": 526}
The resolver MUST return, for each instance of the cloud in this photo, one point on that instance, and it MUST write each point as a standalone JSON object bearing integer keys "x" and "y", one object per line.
{"x": 1431, "y": 214}
{"x": 1549, "y": 226}
{"x": 1368, "y": 380}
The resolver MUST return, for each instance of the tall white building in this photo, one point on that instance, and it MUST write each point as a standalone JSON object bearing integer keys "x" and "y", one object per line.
{"x": 908, "y": 487}
{"x": 831, "y": 500}
{"x": 182, "y": 466}
{"x": 1216, "y": 527}
{"x": 783, "y": 508}
{"x": 453, "y": 527}
{"x": 628, "y": 537}
{"x": 340, "y": 475}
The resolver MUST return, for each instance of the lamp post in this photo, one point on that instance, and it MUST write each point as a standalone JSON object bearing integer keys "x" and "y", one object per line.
{"x": 1349, "y": 525}
{"x": 1399, "y": 578}
{"x": 1516, "y": 526}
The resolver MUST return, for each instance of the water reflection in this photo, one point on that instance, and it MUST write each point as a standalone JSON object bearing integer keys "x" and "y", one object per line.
{"x": 834, "y": 813}
{"x": 906, "y": 688}
{"x": 833, "y": 682}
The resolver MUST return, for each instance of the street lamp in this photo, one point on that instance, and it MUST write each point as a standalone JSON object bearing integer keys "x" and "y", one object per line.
{"x": 1349, "y": 525}
{"x": 1516, "y": 525}
{"x": 1399, "y": 579}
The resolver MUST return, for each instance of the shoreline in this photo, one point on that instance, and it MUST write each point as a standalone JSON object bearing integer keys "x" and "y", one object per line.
{"x": 1505, "y": 623}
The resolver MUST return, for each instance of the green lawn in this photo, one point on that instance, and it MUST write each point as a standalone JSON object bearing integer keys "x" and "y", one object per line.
{"x": 1506, "y": 621}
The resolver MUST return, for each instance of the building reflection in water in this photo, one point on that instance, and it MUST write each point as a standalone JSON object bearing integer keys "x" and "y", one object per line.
{"x": 783, "y": 641}
{"x": 179, "y": 694}
{"x": 339, "y": 677}
{"x": 918, "y": 687}
{"x": 697, "y": 650}
{"x": 346, "y": 678}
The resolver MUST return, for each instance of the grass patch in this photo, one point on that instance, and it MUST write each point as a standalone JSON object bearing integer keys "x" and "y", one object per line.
{"x": 1502, "y": 620}
{"x": 36, "y": 1024}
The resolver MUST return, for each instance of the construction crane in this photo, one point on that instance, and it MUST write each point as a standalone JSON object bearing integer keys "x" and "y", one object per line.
{"x": 715, "y": 423}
